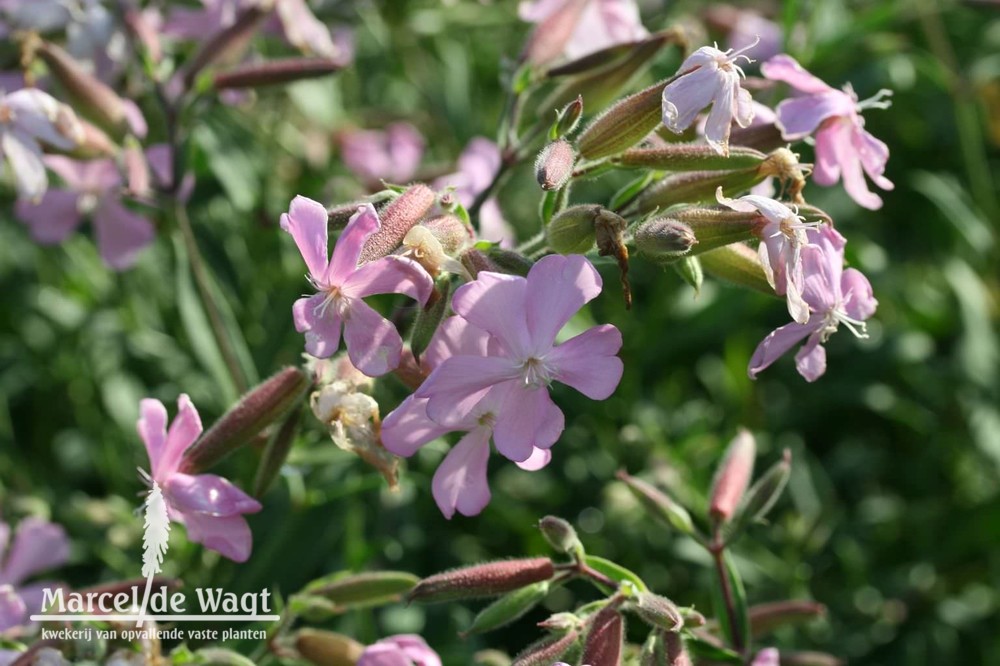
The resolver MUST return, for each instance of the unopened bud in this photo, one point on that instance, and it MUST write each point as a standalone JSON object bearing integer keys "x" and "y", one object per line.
{"x": 482, "y": 580}
{"x": 604, "y": 638}
{"x": 276, "y": 453}
{"x": 561, "y": 535}
{"x": 716, "y": 227}
{"x": 689, "y": 157}
{"x": 765, "y": 618}
{"x": 509, "y": 262}
{"x": 625, "y": 124}
{"x": 659, "y": 504}
{"x": 664, "y": 238}
{"x": 341, "y": 214}
{"x": 546, "y": 651}
{"x": 475, "y": 262}
{"x": 326, "y": 648}
{"x": 257, "y": 409}
{"x": 693, "y": 187}
{"x": 453, "y": 234}
{"x": 561, "y": 623}
{"x": 396, "y": 219}
{"x": 508, "y": 608}
{"x": 659, "y": 612}
{"x": 228, "y": 44}
{"x": 92, "y": 97}
{"x": 567, "y": 119}
{"x": 370, "y": 588}
{"x": 732, "y": 476}
{"x": 136, "y": 168}
{"x": 554, "y": 165}
{"x": 676, "y": 655}
{"x": 551, "y": 35}
{"x": 275, "y": 72}
{"x": 653, "y": 652}
{"x": 737, "y": 264}
{"x": 428, "y": 318}
{"x": 764, "y": 493}
{"x": 93, "y": 142}
{"x": 765, "y": 136}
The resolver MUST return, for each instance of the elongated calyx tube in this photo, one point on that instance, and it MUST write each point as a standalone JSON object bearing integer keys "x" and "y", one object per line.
{"x": 737, "y": 264}
{"x": 546, "y": 651}
{"x": 572, "y": 230}
{"x": 275, "y": 72}
{"x": 92, "y": 97}
{"x": 396, "y": 219}
{"x": 604, "y": 638}
{"x": 482, "y": 580}
{"x": 733, "y": 476}
{"x": 659, "y": 504}
{"x": 623, "y": 125}
{"x": 664, "y": 238}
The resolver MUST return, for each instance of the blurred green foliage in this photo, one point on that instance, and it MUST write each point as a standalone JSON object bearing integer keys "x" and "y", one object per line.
{"x": 892, "y": 517}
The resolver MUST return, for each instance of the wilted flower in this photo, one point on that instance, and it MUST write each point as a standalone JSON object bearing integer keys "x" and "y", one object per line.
{"x": 401, "y": 650}
{"x": 28, "y": 118}
{"x": 373, "y": 344}
{"x": 601, "y": 23}
{"x": 843, "y": 148}
{"x": 94, "y": 188}
{"x": 782, "y": 238}
{"x": 209, "y": 506}
{"x": 38, "y": 546}
{"x": 392, "y": 155}
{"x": 709, "y": 76}
{"x": 835, "y": 296}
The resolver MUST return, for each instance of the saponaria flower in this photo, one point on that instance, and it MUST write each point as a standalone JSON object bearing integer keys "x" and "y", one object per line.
{"x": 400, "y": 650}
{"x": 38, "y": 546}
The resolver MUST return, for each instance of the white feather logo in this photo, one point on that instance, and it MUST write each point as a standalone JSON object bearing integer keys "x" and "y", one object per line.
{"x": 154, "y": 541}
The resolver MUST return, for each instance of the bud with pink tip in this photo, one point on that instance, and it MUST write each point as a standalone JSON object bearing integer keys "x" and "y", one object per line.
{"x": 554, "y": 165}
{"x": 733, "y": 476}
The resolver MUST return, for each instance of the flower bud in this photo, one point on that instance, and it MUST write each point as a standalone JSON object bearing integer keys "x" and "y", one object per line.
{"x": 554, "y": 165}
{"x": 717, "y": 227}
{"x": 257, "y": 409}
{"x": 676, "y": 655}
{"x": 739, "y": 265}
{"x": 765, "y": 618}
{"x": 475, "y": 261}
{"x": 604, "y": 638}
{"x": 765, "y": 136}
{"x": 653, "y": 652}
{"x": 453, "y": 234}
{"x": 546, "y": 651}
{"x": 551, "y": 35}
{"x": 396, "y": 219}
{"x": 508, "y": 608}
{"x": 92, "y": 97}
{"x": 561, "y": 536}
{"x": 567, "y": 119}
{"x": 663, "y": 238}
{"x": 659, "y": 612}
{"x": 136, "y": 169}
{"x": 326, "y": 648}
{"x": 732, "y": 476}
{"x": 508, "y": 261}
{"x": 91, "y": 141}
{"x": 689, "y": 157}
{"x": 693, "y": 187}
{"x": 572, "y": 230}
{"x": 561, "y": 623}
{"x": 227, "y": 44}
{"x": 275, "y": 72}
{"x": 482, "y": 580}
{"x": 361, "y": 590}
{"x": 659, "y": 504}
{"x": 625, "y": 124}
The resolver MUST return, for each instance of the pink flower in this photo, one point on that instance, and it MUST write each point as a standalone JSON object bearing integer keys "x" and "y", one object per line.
{"x": 373, "y": 344}
{"x": 28, "y": 118}
{"x": 781, "y": 241}
{"x": 392, "y": 155}
{"x": 401, "y": 650}
{"x": 460, "y": 482}
{"x": 38, "y": 546}
{"x": 767, "y": 657}
{"x": 523, "y": 316}
{"x": 209, "y": 506}
{"x": 843, "y": 148}
{"x": 835, "y": 296}
{"x": 94, "y": 188}
{"x": 477, "y": 166}
{"x": 602, "y": 23}
{"x": 708, "y": 76}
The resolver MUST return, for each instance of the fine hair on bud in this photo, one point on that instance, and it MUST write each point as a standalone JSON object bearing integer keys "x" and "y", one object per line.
{"x": 396, "y": 219}
{"x": 554, "y": 165}
{"x": 560, "y": 535}
{"x": 572, "y": 230}
{"x": 547, "y": 650}
{"x": 664, "y": 238}
{"x": 482, "y": 580}
{"x": 733, "y": 476}
{"x": 623, "y": 125}
{"x": 604, "y": 638}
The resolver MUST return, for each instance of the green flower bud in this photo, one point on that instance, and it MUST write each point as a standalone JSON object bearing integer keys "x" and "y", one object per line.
{"x": 689, "y": 157}
{"x": 732, "y": 476}
{"x": 737, "y": 264}
{"x": 508, "y": 608}
{"x": 361, "y": 590}
{"x": 561, "y": 535}
{"x": 625, "y": 124}
{"x": 572, "y": 230}
{"x": 659, "y": 612}
{"x": 659, "y": 504}
{"x": 326, "y": 648}
{"x": 663, "y": 238}
{"x": 567, "y": 119}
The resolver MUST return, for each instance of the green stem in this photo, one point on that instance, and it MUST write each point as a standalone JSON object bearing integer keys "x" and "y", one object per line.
{"x": 533, "y": 245}
{"x": 717, "y": 549}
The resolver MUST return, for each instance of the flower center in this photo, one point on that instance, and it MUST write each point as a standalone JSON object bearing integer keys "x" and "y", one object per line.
{"x": 837, "y": 316}
{"x": 536, "y": 374}
{"x": 333, "y": 299}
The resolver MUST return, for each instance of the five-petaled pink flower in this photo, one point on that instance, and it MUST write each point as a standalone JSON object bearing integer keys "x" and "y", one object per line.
{"x": 523, "y": 317}
{"x": 835, "y": 296}
{"x": 601, "y": 23}
{"x": 209, "y": 506}
{"x": 460, "y": 482}
{"x": 94, "y": 187}
{"x": 782, "y": 238}
{"x": 38, "y": 546}
{"x": 373, "y": 344}
{"x": 843, "y": 148}
{"x": 709, "y": 76}
{"x": 401, "y": 650}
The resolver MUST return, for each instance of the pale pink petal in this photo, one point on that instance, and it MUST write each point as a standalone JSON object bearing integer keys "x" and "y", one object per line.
{"x": 152, "y": 427}
{"x": 346, "y": 252}
{"x": 527, "y": 420}
{"x": 4, "y": 538}
{"x": 25, "y": 159}
{"x": 859, "y": 301}
{"x": 494, "y": 227}
{"x": 455, "y": 337}
{"x": 389, "y": 275}
{"x": 873, "y": 155}
{"x": 685, "y": 97}
{"x": 13, "y": 612}
{"x": 786, "y": 68}
{"x": 455, "y": 387}
{"x": 320, "y": 321}
{"x": 810, "y": 361}
{"x": 227, "y": 535}
{"x": 184, "y": 430}
{"x": 161, "y": 163}
{"x": 496, "y": 303}
{"x": 306, "y": 32}
{"x": 407, "y": 428}
{"x": 558, "y": 286}
{"x": 92, "y": 176}
{"x": 799, "y": 117}
{"x": 405, "y": 148}
{"x": 33, "y": 594}
{"x": 35, "y": 113}
{"x": 53, "y": 218}
{"x": 821, "y": 271}
{"x": 767, "y": 657}
{"x": 415, "y": 648}
{"x": 852, "y": 172}
{"x": 120, "y": 233}
{"x": 538, "y": 459}
{"x": 779, "y": 341}
{"x": 719, "y": 123}
{"x": 745, "y": 109}
{"x": 588, "y": 363}
{"x": 208, "y": 494}
{"x": 829, "y": 138}
{"x": 136, "y": 121}
{"x": 306, "y": 220}
{"x": 373, "y": 344}
{"x": 478, "y": 163}
{"x": 460, "y": 482}
{"x": 383, "y": 655}
{"x": 535, "y": 11}
{"x": 38, "y": 546}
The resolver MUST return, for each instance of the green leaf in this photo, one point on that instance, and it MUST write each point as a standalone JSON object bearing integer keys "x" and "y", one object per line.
{"x": 689, "y": 268}
{"x": 429, "y": 318}
{"x": 631, "y": 190}
{"x": 508, "y": 608}
{"x": 699, "y": 647}
{"x": 739, "y": 599}
{"x": 614, "y": 571}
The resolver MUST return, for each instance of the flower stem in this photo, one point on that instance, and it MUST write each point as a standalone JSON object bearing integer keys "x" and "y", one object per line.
{"x": 718, "y": 548}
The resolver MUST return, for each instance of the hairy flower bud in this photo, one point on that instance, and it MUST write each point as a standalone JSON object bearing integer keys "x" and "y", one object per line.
{"x": 257, "y": 409}
{"x": 732, "y": 476}
{"x": 453, "y": 234}
{"x": 554, "y": 165}
{"x": 326, "y": 648}
{"x": 765, "y": 618}
{"x": 659, "y": 612}
{"x": 567, "y": 119}
{"x": 275, "y": 72}
{"x": 396, "y": 219}
{"x": 604, "y": 638}
{"x": 739, "y": 265}
{"x": 716, "y": 227}
{"x": 693, "y": 187}
{"x": 359, "y": 590}
{"x": 227, "y": 44}
{"x": 561, "y": 535}
{"x": 508, "y": 608}
{"x": 676, "y": 655}
{"x": 546, "y": 651}
{"x": 689, "y": 157}
{"x": 475, "y": 261}
{"x": 482, "y": 580}
{"x": 664, "y": 238}
{"x": 508, "y": 261}
{"x": 659, "y": 504}
{"x": 572, "y": 230}
{"x": 622, "y": 126}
